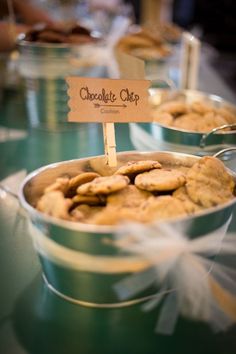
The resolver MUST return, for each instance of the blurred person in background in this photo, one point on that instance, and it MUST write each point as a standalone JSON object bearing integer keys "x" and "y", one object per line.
{"x": 25, "y": 13}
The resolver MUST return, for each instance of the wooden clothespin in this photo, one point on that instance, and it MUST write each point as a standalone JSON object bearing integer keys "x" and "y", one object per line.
{"x": 110, "y": 143}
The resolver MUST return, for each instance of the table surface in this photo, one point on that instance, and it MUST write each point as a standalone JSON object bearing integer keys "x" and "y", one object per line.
{"x": 32, "y": 319}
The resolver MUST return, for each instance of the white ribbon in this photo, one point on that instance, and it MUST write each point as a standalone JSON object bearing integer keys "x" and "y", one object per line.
{"x": 192, "y": 280}
{"x": 81, "y": 261}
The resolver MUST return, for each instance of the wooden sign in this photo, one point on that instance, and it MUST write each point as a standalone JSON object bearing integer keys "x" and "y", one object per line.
{"x": 108, "y": 100}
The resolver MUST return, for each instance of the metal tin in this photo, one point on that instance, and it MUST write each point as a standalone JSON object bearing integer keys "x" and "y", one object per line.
{"x": 44, "y": 67}
{"x": 179, "y": 139}
{"x": 94, "y": 288}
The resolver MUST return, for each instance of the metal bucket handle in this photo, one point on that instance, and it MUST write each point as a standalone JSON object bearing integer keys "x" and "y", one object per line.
{"x": 8, "y": 191}
{"x": 162, "y": 83}
{"x": 213, "y": 131}
{"x": 222, "y": 152}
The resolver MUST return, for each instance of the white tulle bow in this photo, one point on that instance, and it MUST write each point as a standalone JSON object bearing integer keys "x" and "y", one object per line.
{"x": 196, "y": 278}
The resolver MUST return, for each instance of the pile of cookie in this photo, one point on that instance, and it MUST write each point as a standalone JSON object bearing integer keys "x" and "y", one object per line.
{"x": 71, "y": 34}
{"x": 169, "y": 31}
{"x": 141, "y": 191}
{"x": 144, "y": 44}
{"x": 197, "y": 116}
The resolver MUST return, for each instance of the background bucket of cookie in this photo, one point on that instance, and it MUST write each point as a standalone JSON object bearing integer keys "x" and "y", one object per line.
{"x": 83, "y": 262}
{"x": 43, "y": 65}
{"x": 186, "y": 121}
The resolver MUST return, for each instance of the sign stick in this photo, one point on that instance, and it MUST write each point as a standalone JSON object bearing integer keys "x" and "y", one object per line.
{"x": 110, "y": 143}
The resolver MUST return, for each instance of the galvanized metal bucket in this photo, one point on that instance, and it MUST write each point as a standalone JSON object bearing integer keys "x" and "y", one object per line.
{"x": 81, "y": 262}
{"x": 154, "y": 136}
{"x": 44, "y": 67}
